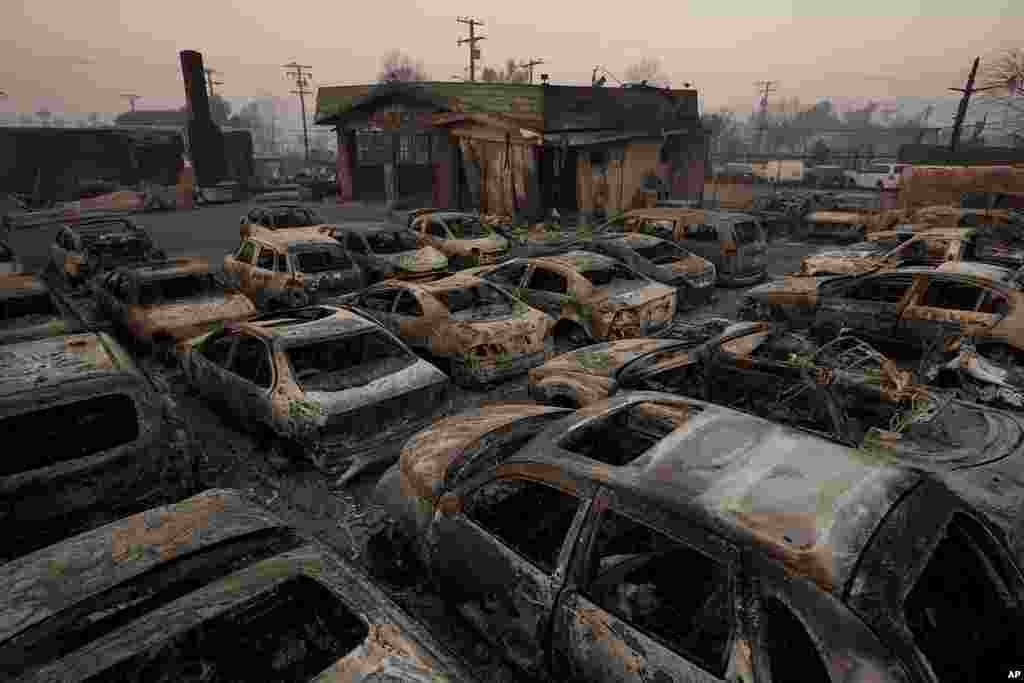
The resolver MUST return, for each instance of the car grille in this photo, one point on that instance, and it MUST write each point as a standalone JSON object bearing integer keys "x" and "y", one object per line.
{"x": 375, "y": 419}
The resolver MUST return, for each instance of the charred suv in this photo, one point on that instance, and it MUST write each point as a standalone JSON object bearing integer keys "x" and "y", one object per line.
{"x": 326, "y": 382}
{"x": 212, "y": 588}
{"x": 651, "y": 537}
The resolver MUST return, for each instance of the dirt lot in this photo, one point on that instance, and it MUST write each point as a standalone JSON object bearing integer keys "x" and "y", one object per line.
{"x": 341, "y": 518}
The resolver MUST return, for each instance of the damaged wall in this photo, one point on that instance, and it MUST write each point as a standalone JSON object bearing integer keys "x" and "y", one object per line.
{"x": 611, "y": 177}
{"x": 494, "y": 167}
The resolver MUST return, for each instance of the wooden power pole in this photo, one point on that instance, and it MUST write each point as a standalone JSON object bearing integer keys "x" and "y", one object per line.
{"x": 301, "y": 81}
{"x": 530, "y": 64}
{"x": 474, "y": 52}
{"x": 961, "y": 111}
{"x": 132, "y": 99}
{"x": 766, "y": 88}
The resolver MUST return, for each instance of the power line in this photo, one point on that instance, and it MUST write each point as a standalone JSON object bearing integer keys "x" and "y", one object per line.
{"x": 131, "y": 100}
{"x": 209, "y": 80}
{"x": 529, "y": 65}
{"x": 301, "y": 82}
{"x": 474, "y": 52}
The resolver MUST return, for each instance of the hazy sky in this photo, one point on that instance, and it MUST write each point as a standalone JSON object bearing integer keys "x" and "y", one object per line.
{"x": 82, "y": 56}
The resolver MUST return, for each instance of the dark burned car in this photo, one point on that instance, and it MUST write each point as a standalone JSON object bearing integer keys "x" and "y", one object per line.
{"x": 213, "y": 588}
{"x": 390, "y": 252}
{"x": 651, "y": 537}
{"x": 277, "y": 216}
{"x": 478, "y": 332}
{"x": 92, "y": 246}
{"x": 29, "y": 310}
{"x": 89, "y": 439}
{"x": 663, "y": 261}
{"x": 165, "y": 302}
{"x": 326, "y": 381}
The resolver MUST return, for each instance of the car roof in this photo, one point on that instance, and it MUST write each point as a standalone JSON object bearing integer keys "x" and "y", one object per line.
{"x": 283, "y": 238}
{"x": 370, "y": 228}
{"x": 455, "y": 281}
{"x": 305, "y": 325}
{"x": 809, "y": 501}
{"x": 633, "y": 239}
{"x": 167, "y": 268}
{"x": 21, "y": 284}
{"x": 572, "y": 259}
{"x": 48, "y": 362}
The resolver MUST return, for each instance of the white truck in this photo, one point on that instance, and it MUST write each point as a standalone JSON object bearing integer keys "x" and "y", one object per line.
{"x": 878, "y": 176}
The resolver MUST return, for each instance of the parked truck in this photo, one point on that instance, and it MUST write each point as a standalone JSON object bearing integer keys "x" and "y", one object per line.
{"x": 878, "y": 176}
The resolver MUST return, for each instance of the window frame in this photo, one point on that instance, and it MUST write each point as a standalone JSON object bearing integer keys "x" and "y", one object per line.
{"x": 246, "y": 338}
{"x": 392, "y": 291}
{"x": 264, "y": 250}
{"x": 874, "y": 281}
{"x": 549, "y": 271}
{"x": 405, "y": 294}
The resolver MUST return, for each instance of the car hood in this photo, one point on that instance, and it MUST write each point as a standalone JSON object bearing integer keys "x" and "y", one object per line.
{"x": 422, "y": 260}
{"x": 469, "y": 333}
{"x": 418, "y": 375}
{"x": 186, "y": 314}
{"x": 485, "y": 245}
{"x": 838, "y": 262}
{"x": 599, "y": 360}
{"x": 631, "y": 296}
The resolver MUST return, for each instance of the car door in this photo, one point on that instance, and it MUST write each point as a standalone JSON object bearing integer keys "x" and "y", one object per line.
{"x": 546, "y": 289}
{"x": 262, "y": 272}
{"x": 208, "y": 366}
{"x": 239, "y": 266}
{"x": 643, "y": 605}
{"x": 380, "y": 303}
{"x": 412, "y": 325}
{"x": 250, "y": 380}
{"x": 942, "y": 308}
{"x": 503, "y": 548}
{"x": 870, "y": 305}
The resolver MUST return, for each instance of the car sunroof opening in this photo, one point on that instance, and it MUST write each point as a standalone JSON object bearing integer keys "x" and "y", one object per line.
{"x": 621, "y": 437}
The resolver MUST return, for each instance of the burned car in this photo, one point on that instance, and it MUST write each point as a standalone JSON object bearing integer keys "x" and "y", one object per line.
{"x": 651, "y": 537}
{"x": 593, "y": 297}
{"x": 462, "y": 237}
{"x": 915, "y": 307}
{"x": 929, "y": 248}
{"x": 325, "y": 382}
{"x": 291, "y": 267}
{"x": 165, "y": 302}
{"x": 734, "y": 242}
{"x": 211, "y": 588}
{"x": 30, "y": 310}
{"x": 277, "y": 216}
{"x": 93, "y": 246}
{"x": 89, "y": 439}
{"x": 476, "y": 331}
{"x": 662, "y": 261}
{"x": 387, "y": 252}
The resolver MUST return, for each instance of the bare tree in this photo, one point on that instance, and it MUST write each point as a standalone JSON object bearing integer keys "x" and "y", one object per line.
{"x": 648, "y": 70}
{"x": 398, "y": 66}
{"x": 1005, "y": 75}
{"x": 513, "y": 73}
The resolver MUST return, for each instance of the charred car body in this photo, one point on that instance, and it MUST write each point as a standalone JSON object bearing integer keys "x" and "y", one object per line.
{"x": 166, "y": 302}
{"x": 734, "y": 242}
{"x": 211, "y": 588}
{"x": 323, "y": 380}
{"x": 462, "y": 237}
{"x": 651, "y": 537}
{"x": 93, "y": 246}
{"x": 930, "y": 248}
{"x": 917, "y": 307}
{"x": 88, "y": 438}
{"x": 291, "y": 267}
{"x": 29, "y": 310}
{"x": 278, "y": 216}
{"x": 387, "y": 252}
{"x": 478, "y": 332}
{"x": 838, "y": 225}
{"x": 593, "y": 297}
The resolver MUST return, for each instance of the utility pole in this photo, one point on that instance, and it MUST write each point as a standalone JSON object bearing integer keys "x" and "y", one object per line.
{"x": 474, "y": 53}
{"x": 131, "y": 100}
{"x": 301, "y": 81}
{"x": 765, "y": 88}
{"x": 529, "y": 65}
{"x": 209, "y": 80}
{"x": 961, "y": 112}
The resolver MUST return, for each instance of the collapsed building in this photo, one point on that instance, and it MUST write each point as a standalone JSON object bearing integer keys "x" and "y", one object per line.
{"x": 515, "y": 148}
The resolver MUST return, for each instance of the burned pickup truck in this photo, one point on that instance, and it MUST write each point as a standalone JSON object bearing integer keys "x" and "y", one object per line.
{"x": 327, "y": 383}
{"x": 652, "y": 537}
{"x": 89, "y": 439}
{"x": 212, "y": 588}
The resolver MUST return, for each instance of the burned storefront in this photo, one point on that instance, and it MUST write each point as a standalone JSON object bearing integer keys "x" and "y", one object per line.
{"x": 514, "y": 148}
